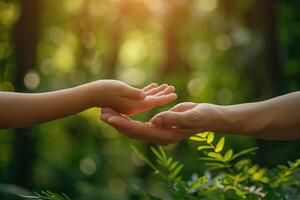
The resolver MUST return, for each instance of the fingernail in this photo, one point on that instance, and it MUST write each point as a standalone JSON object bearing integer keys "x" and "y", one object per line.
{"x": 157, "y": 121}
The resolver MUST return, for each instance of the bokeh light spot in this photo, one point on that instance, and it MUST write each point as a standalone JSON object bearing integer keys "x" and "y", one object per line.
{"x": 133, "y": 50}
{"x": 87, "y": 166}
{"x": 73, "y": 6}
{"x": 197, "y": 84}
{"x": 133, "y": 76}
{"x": 117, "y": 185}
{"x": 97, "y": 8}
{"x": 241, "y": 36}
{"x": 9, "y": 13}
{"x": 223, "y": 42}
{"x": 202, "y": 51}
{"x": 31, "y": 80}
{"x": 64, "y": 58}
{"x": 88, "y": 39}
{"x": 56, "y": 35}
{"x": 47, "y": 66}
{"x": 225, "y": 96}
{"x": 206, "y": 5}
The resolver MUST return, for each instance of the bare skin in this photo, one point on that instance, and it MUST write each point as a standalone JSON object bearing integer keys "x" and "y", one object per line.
{"x": 22, "y": 109}
{"x": 275, "y": 119}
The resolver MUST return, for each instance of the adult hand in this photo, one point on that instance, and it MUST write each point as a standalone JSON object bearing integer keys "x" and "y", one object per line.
{"x": 142, "y": 130}
{"x": 188, "y": 117}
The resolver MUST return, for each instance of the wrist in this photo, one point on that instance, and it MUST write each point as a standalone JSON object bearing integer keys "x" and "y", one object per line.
{"x": 93, "y": 93}
{"x": 245, "y": 119}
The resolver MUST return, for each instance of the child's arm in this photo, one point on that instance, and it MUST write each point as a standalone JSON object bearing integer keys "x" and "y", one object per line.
{"x": 20, "y": 109}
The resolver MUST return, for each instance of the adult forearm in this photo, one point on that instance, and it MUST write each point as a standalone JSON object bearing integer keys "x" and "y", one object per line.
{"x": 277, "y": 118}
{"x": 19, "y": 109}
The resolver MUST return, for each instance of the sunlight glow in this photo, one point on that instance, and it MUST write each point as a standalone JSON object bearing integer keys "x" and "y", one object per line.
{"x": 133, "y": 76}
{"x": 64, "y": 59}
{"x": 9, "y": 13}
{"x": 73, "y": 6}
{"x": 133, "y": 50}
{"x": 206, "y": 5}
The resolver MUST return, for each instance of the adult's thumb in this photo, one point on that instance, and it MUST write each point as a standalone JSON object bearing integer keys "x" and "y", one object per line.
{"x": 169, "y": 119}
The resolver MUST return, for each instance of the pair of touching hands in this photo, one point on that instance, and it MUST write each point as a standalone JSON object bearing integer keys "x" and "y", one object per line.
{"x": 164, "y": 128}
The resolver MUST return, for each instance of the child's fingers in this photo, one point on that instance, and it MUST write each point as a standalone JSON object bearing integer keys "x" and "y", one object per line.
{"x": 166, "y": 91}
{"x": 156, "y": 90}
{"x": 152, "y": 102}
{"x": 149, "y": 87}
{"x": 134, "y": 93}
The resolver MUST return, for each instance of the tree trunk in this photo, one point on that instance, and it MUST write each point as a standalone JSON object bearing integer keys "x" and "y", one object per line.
{"x": 26, "y": 42}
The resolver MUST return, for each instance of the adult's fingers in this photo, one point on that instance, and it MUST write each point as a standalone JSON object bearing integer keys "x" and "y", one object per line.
{"x": 109, "y": 112}
{"x": 149, "y": 87}
{"x": 156, "y": 90}
{"x": 170, "y": 119}
{"x": 183, "y": 107}
{"x": 146, "y": 131}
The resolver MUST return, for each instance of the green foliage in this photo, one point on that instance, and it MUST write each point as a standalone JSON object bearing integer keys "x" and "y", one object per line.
{"x": 46, "y": 195}
{"x": 229, "y": 175}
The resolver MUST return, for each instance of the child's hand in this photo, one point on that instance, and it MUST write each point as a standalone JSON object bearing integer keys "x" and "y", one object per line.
{"x": 128, "y": 100}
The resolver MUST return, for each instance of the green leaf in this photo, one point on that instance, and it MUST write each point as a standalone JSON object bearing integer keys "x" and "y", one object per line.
{"x": 174, "y": 174}
{"x": 220, "y": 145}
{"x": 228, "y": 155}
{"x": 203, "y": 135}
{"x": 47, "y": 195}
{"x": 200, "y": 148}
{"x": 253, "y": 169}
{"x": 169, "y": 162}
{"x": 210, "y": 137}
{"x": 163, "y": 154}
{"x": 244, "y": 163}
{"x": 156, "y": 153}
{"x": 217, "y": 156}
{"x": 200, "y": 181}
{"x": 151, "y": 197}
{"x": 173, "y": 166}
{"x": 215, "y": 165}
{"x": 143, "y": 158}
{"x": 207, "y": 159}
{"x": 244, "y": 152}
{"x": 198, "y": 139}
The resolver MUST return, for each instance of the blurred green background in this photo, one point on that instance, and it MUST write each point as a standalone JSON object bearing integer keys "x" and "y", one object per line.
{"x": 223, "y": 52}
